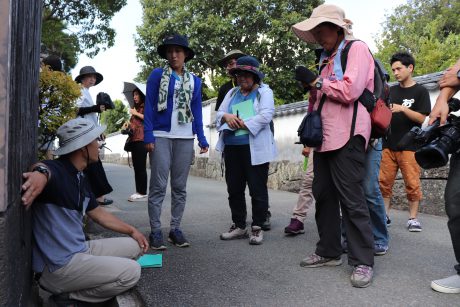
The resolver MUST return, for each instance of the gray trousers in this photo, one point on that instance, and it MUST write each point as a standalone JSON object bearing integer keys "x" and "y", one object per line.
{"x": 169, "y": 156}
{"x": 105, "y": 270}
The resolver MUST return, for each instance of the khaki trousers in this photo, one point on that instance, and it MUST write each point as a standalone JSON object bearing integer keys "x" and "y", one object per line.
{"x": 306, "y": 199}
{"x": 105, "y": 270}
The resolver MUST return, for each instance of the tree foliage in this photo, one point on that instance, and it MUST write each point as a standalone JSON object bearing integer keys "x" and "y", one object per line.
{"x": 260, "y": 28}
{"x": 70, "y": 27}
{"x": 429, "y": 30}
{"x": 115, "y": 118}
{"x": 57, "y": 94}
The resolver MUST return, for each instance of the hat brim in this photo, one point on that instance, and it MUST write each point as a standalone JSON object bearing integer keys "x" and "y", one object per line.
{"x": 303, "y": 28}
{"x": 222, "y": 62}
{"x": 162, "y": 51}
{"x": 80, "y": 142}
{"x": 235, "y": 70}
{"x": 99, "y": 77}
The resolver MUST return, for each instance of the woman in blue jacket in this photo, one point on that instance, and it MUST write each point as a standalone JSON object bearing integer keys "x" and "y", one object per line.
{"x": 172, "y": 117}
{"x": 248, "y": 144}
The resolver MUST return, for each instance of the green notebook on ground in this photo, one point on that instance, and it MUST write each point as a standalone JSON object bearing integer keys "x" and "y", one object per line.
{"x": 151, "y": 261}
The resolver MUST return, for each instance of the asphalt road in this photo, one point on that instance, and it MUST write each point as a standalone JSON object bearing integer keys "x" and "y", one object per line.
{"x": 232, "y": 273}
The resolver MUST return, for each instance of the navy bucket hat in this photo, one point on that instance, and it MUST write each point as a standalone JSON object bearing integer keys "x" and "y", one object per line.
{"x": 248, "y": 63}
{"x": 177, "y": 40}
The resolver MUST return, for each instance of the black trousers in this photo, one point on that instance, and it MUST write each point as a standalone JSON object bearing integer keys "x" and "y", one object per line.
{"x": 97, "y": 179}
{"x": 238, "y": 173}
{"x": 452, "y": 199}
{"x": 337, "y": 184}
{"x": 139, "y": 155}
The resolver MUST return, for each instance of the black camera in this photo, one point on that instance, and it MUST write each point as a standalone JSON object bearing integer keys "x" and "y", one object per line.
{"x": 105, "y": 100}
{"x": 434, "y": 143}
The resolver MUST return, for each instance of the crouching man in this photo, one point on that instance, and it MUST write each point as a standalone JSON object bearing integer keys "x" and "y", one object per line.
{"x": 72, "y": 268}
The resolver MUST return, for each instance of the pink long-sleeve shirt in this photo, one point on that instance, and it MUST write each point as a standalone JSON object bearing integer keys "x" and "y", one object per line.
{"x": 337, "y": 112}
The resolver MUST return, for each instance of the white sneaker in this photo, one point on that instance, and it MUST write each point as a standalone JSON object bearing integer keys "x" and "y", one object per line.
{"x": 137, "y": 197}
{"x": 234, "y": 233}
{"x": 450, "y": 284}
{"x": 257, "y": 235}
{"x": 413, "y": 225}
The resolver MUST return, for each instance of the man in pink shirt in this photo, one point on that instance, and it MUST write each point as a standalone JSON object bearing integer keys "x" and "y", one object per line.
{"x": 339, "y": 161}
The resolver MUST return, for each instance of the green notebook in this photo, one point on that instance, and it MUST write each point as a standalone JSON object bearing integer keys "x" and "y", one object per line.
{"x": 151, "y": 261}
{"x": 245, "y": 110}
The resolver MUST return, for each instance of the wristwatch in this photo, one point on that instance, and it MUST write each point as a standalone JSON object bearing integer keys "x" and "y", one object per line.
{"x": 319, "y": 83}
{"x": 458, "y": 74}
{"x": 42, "y": 169}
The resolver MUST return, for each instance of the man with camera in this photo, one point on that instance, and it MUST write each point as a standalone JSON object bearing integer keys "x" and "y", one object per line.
{"x": 410, "y": 104}
{"x": 450, "y": 84}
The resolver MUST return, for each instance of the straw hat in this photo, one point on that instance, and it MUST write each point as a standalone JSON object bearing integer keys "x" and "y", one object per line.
{"x": 323, "y": 13}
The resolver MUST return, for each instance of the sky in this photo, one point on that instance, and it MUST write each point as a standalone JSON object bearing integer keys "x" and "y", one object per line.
{"x": 119, "y": 63}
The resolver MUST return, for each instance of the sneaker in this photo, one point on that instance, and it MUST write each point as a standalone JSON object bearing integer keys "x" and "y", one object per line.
{"x": 380, "y": 249}
{"x": 413, "y": 225}
{"x": 257, "y": 235}
{"x": 295, "y": 227}
{"x": 314, "y": 261}
{"x": 361, "y": 276}
{"x": 156, "y": 240}
{"x": 267, "y": 225}
{"x": 177, "y": 238}
{"x": 137, "y": 197}
{"x": 447, "y": 285}
{"x": 234, "y": 233}
{"x": 388, "y": 221}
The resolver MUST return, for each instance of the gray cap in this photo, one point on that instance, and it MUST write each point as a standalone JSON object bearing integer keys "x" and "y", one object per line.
{"x": 76, "y": 134}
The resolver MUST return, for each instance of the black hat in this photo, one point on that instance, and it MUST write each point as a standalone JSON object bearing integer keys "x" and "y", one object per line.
{"x": 88, "y": 70}
{"x": 54, "y": 62}
{"x": 177, "y": 40}
{"x": 303, "y": 74}
{"x": 249, "y": 64}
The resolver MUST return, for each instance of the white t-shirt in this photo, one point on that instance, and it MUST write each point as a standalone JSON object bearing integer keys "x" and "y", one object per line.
{"x": 86, "y": 100}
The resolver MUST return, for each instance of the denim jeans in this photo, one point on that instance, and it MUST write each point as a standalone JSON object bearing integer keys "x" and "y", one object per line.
{"x": 452, "y": 199}
{"x": 373, "y": 195}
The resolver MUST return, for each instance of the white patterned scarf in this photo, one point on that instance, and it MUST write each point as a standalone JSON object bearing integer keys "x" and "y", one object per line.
{"x": 184, "y": 97}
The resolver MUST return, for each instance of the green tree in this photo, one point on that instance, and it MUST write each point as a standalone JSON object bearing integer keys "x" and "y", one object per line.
{"x": 70, "y": 28}
{"x": 260, "y": 28}
{"x": 57, "y": 94}
{"x": 115, "y": 118}
{"x": 429, "y": 30}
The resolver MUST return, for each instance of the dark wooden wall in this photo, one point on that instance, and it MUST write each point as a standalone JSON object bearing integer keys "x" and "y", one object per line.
{"x": 20, "y": 26}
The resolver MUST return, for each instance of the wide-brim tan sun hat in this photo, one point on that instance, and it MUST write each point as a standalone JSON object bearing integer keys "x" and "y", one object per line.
{"x": 323, "y": 13}
{"x": 76, "y": 134}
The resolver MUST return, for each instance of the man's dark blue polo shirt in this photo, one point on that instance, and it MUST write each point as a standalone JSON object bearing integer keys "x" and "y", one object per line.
{"x": 58, "y": 216}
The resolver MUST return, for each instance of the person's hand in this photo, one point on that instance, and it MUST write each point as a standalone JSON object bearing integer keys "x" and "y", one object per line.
{"x": 125, "y": 126}
{"x": 233, "y": 121}
{"x": 149, "y": 147}
{"x": 440, "y": 110}
{"x": 133, "y": 111}
{"x": 141, "y": 240}
{"x": 203, "y": 150}
{"x": 396, "y": 108}
{"x": 102, "y": 108}
{"x": 450, "y": 79}
{"x": 34, "y": 184}
{"x": 306, "y": 151}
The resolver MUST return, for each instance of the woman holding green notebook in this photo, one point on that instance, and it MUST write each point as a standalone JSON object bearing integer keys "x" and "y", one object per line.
{"x": 247, "y": 142}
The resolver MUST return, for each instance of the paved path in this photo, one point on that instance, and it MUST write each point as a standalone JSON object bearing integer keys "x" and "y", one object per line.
{"x": 232, "y": 273}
